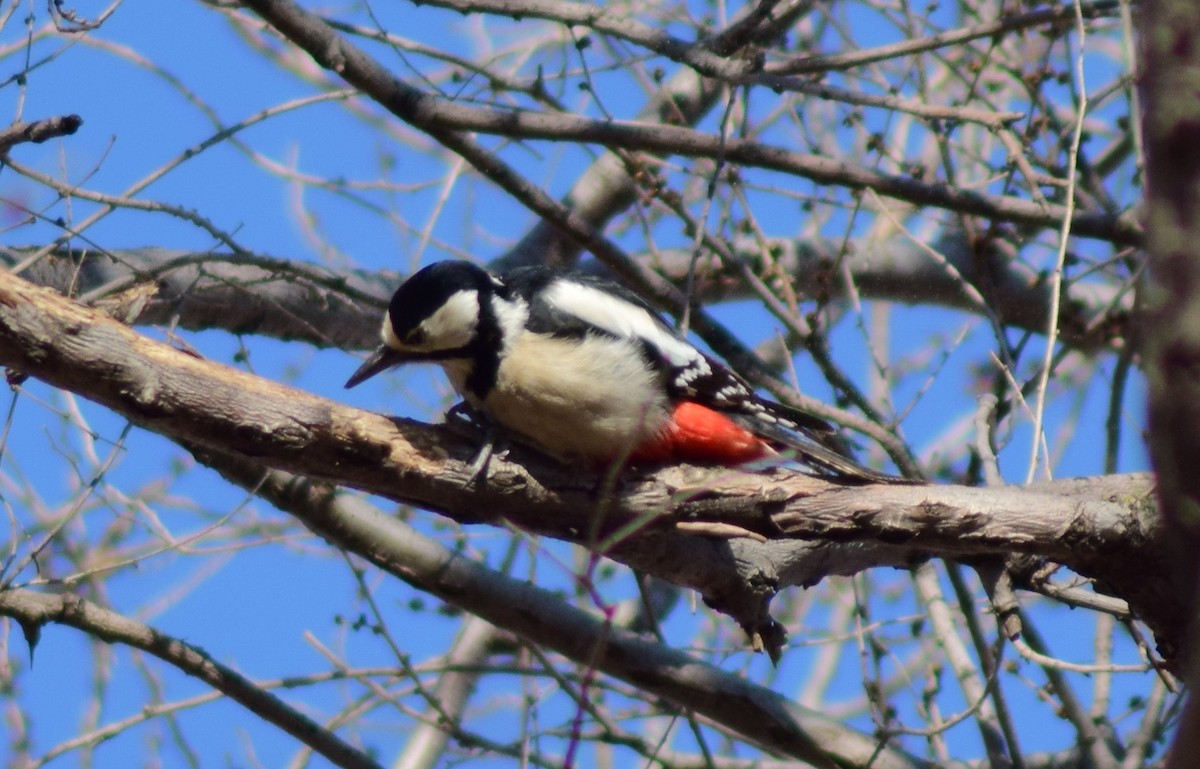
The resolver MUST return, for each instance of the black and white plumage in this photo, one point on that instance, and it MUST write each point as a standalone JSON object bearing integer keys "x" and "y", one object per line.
{"x": 584, "y": 369}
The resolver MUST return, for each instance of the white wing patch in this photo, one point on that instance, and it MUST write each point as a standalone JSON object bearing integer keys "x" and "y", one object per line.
{"x": 623, "y": 319}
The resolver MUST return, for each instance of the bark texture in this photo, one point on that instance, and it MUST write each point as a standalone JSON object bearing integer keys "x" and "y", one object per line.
{"x": 734, "y": 536}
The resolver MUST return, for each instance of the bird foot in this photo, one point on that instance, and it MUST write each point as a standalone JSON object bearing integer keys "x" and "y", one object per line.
{"x": 468, "y": 420}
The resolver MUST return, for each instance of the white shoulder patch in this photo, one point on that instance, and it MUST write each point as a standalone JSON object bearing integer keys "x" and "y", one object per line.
{"x": 620, "y": 318}
{"x": 511, "y": 316}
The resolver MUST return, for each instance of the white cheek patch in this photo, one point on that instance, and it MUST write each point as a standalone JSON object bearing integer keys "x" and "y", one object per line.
{"x": 451, "y": 326}
{"x": 388, "y": 335}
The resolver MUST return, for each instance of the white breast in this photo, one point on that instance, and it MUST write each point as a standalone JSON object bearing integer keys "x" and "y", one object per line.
{"x": 594, "y": 398}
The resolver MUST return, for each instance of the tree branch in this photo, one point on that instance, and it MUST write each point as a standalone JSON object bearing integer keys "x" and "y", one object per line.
{"x": 442, "y": 119}
{"x": 38, "y": 131}
{"x": 255, "y": 294}
{"x": 756, "y": 713}
{"x": 647, "y": 519}
{"x": 32, "y": 610}
{"x": 1171, "y": 303}
{"x": 606, "y": 188}
{"x": 717, "y": 65}
{"x": 280, "y": 299}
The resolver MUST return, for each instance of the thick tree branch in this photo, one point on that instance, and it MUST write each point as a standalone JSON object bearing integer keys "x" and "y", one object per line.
{"x": 756, "y": 713}
{"x": 648, "y": 521}
{"x": 280, "y": 299}
{"x": 315, "y": 304}
{"x": 1171, "y": 301}
{"x": 256, "y": 294}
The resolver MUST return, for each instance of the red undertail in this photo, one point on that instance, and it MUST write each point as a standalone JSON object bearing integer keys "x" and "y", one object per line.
{"x": 699, "y": 434}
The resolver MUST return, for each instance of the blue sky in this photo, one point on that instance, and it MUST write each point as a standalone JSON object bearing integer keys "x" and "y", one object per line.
{"x": 252, "y": 606}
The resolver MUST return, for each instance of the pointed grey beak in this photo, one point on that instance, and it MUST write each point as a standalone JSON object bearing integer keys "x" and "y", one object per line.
{"x": 380, "y": 360}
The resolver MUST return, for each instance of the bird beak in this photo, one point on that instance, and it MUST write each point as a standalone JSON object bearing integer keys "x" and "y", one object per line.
{"x": 380, "y": 360}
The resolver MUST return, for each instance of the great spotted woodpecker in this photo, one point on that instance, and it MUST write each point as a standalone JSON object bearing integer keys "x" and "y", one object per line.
{"x": 584, "y": 369}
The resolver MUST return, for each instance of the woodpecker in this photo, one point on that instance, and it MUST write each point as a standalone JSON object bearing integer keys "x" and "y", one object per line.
{"x": 585, "y": 370}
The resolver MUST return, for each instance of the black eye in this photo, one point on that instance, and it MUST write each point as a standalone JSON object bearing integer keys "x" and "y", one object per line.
{"x": 415, "y": 337}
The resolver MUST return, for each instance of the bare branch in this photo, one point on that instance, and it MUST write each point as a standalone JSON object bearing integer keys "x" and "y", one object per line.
{"x": 38, "y": 131}
{"x": 442, "y": 119}
{"x": 706, "y": 58}
{"x": 242, "y": 294}
{"x": 1035, "y": 18}
{"x": 755, "y": 713}
{"x": 273, "y": 297}
{"x": 199, "y": 402}
{"x": 33, "y": 609}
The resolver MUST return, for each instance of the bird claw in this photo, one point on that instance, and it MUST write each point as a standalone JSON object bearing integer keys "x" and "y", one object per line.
{"x": 462, "y": 415}
{"x": 478, "y": 466}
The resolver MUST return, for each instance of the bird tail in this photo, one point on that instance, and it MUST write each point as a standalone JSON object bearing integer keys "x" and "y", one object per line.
{"x": 812, "y": 440}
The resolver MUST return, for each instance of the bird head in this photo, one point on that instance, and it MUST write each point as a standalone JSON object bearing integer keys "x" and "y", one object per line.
{"x": 433, "y": 316}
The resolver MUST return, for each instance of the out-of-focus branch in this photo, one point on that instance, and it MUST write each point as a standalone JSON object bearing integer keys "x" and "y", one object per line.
{"x": 282, "y": 299}
{"x": 34, "y": 609}
{"x": 1171, "y": 298}
{"x": 730, "y": 701}
{"x": 1092, "y": 316}
{"x": 38, "y": 131}
{"x": 702, "y": 57}
{"x": 606, "y": 188}
{"x": 426, "y": 745}
{"x": 241, "y": 294}
{"x": 441, "y": 118}
{"x": 1038, "y": 17}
